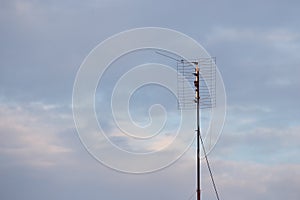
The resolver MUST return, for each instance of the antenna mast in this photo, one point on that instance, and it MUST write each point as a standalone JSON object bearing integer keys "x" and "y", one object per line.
{"x": 197, "y": 100}
{"x": 205, "y": 86}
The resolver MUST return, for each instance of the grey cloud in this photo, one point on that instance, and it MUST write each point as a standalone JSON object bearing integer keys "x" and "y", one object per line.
{"x": 248, "y": 180}
{"x": 30, "y": 136}
{"x": 44, "y": 42}
{"x": 260, "y": 144}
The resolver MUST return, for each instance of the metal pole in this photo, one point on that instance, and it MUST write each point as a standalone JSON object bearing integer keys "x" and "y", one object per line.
{"x": 196, "y": 83}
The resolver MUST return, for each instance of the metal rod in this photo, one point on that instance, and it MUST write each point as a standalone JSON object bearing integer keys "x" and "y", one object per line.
{"x": 198, "y": 131}
{"x": 162, "y": 54}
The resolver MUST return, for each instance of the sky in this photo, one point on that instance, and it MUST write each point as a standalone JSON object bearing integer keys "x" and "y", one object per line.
{"x": 44, "y": 43}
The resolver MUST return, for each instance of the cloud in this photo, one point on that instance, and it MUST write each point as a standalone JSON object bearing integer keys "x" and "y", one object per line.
{"x": 248, "y": 180}
{"x": 272, "y": 36}
{"x": 42, "y": 46}
{"x": 261, "y": 144}
{"x": 30, "y": 136}
{"x": 259, "y": 67}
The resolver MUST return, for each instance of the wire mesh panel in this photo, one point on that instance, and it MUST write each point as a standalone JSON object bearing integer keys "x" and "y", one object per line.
{"x": 207, "y": 83}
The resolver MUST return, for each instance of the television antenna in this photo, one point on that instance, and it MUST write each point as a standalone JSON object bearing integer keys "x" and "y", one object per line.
{"x": 202, "y": 72}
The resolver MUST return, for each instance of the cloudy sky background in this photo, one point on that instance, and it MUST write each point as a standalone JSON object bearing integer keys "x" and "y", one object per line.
{"x": 43, "y": 44}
